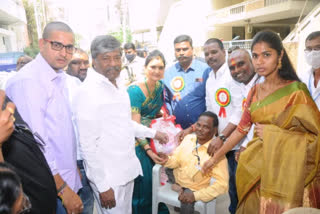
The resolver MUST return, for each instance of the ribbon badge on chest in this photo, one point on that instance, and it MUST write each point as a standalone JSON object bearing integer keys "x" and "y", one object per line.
{"x": 177, "y": 84}
{"x": 223, "y": 98}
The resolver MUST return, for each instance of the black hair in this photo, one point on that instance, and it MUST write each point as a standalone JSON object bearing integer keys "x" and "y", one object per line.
{"x": 233, "y": 48}
{"x": 213, "y": 116}
{"x": 10, "y": 188}
{"x": 286, "y": 71}
{"x": 215, "y": 40}
{"x": 129, "y": 45}
{"x": 183, "y": 38}
{"x": 155, "y": 54}
{"x": 313, "y": 35}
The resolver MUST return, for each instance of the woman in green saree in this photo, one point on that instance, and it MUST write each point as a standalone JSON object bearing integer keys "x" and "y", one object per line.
{"x": 146, "y": 101}
{"x": 280, "y": 169}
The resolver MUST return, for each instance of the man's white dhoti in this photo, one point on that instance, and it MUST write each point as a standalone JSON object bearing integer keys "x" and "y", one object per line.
{"x": 123, "y": 196}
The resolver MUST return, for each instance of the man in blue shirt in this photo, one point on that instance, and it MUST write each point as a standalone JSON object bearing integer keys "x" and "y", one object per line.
{"x": 183, "y": 80}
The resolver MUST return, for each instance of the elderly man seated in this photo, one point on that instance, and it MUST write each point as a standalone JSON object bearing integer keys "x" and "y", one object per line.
{"x": 187, "y": 160}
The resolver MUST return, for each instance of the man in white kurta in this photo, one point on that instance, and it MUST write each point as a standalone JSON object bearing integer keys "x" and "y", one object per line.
{"x": 106, "y": 131}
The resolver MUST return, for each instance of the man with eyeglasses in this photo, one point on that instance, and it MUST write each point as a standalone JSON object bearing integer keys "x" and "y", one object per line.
{"x": 312, "y": 55}
{"x": 79, "y": 64}
{"x": 39, "y": 92}
{"x": 186, "y": 162}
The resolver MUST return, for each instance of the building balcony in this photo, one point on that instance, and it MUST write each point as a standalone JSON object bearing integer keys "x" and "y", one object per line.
{"x": 259, "y": 11}
{"x": 12, "y": 12}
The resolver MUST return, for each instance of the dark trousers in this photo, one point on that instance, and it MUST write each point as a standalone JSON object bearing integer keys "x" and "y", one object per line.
{"x": 185, "y": 208}
{"x": 60, "y": 207}
{"x": 232, "y": 166}
{"x": 85, "y": 193}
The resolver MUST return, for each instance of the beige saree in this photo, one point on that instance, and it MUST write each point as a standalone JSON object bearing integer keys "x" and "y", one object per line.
{"x": 281, "y": 170}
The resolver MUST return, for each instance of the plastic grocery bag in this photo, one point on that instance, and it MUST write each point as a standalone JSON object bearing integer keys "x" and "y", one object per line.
{"x": 166, "y": 125}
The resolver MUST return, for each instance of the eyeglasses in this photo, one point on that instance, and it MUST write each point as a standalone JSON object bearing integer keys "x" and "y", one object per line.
{"x": 26, "y": 205}
{"x": 57, "y": 46}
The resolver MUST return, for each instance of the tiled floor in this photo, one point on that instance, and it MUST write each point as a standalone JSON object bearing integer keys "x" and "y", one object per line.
{"x": 221, "y": 205}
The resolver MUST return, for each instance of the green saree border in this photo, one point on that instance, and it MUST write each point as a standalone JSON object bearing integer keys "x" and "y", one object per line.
{"x": 282, "y": 92}
{"x": 159, "y": 84}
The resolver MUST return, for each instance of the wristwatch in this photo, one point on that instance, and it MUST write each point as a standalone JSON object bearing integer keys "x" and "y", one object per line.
{"x": 222, "y": 137}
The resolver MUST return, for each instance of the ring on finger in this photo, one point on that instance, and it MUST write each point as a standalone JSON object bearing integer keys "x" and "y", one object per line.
{"x": 13, "y": 118}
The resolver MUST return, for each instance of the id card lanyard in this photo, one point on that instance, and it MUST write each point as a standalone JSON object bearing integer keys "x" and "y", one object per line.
{"x": 197, "y": 155}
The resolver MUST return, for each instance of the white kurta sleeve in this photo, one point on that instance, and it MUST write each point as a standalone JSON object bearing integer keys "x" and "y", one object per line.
{"x": 142, "y": 131}
{"x": 236, "y": 102}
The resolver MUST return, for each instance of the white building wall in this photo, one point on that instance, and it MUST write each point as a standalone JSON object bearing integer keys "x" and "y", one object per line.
{"x": 185, "y": 17}
{"x": 12, "y": 26}
{"x": 308, "y": 25}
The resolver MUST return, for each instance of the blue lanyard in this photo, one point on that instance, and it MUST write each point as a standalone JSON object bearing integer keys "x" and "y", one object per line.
{"x": 310, "y": 89}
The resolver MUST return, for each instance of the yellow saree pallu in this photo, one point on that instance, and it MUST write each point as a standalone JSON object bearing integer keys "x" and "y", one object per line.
{"x": 280, "y": 171}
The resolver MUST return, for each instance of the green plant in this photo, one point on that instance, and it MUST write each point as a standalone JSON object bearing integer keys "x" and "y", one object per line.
{"x": 119, "y": 35}
{"x": 31, "y": 51}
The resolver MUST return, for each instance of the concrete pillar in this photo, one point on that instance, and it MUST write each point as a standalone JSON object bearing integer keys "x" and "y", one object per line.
{"x": 248, "y": 31}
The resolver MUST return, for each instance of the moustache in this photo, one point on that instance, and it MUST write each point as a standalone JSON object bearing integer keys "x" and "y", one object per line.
{"x": 211, "y": 61}
{"x": 183, "y": 57}
{"x": 114, "y": 68}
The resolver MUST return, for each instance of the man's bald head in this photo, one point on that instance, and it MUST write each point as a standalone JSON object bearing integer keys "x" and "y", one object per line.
{"x": 241, "y": 66}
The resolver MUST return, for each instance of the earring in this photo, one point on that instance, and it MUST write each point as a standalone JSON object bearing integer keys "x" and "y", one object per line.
{"x": 279, "y": 64}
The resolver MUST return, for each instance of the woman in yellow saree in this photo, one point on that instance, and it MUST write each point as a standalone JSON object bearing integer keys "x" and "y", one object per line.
{"x": 280, "y": 168}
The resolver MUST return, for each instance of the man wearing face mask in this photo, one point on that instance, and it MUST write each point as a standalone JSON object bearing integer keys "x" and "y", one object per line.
{"x": 133, "y": 65}
{"x": 312, "y": 55}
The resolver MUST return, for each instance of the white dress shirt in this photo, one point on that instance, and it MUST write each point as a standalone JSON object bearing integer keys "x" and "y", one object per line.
{"x": 308, "y": 79}
{"x": 73, "y": 84}
{"x": 222, "y": 80}
{"x": 245, "y": 91}
{"x": 107, "y": 132}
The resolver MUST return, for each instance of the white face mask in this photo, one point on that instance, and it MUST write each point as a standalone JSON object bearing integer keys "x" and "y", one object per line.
{"x": 313, "y": 58}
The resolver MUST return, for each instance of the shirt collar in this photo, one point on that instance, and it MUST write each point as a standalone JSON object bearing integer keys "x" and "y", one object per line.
{"x": 49, "y": 73}
{"x": 206, "y": 145}
{"x": 223, "y": 70}
{"x": 191, "y": 68}
{"x": 252, "y": 82}
{"x": 93, "y": 74}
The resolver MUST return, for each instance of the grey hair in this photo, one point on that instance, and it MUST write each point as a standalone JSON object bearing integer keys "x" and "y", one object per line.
{"x": 55, "y": 26}
{"x": 103, "y": 44}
